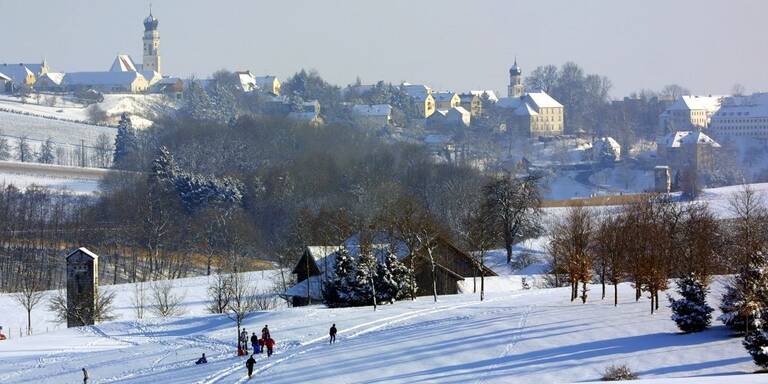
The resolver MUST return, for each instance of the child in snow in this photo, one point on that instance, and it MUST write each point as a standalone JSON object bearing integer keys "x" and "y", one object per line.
{"x": 261, "y": 345}
{"x": 255, "y": 343}
{"x": 333, "y": 334}
{"x": 244, "y": 340}
{"x": 265, "y": 332}
{"x": 249, "y": 364}
{"x": 270, "y": 346}
{"x": 85, "y": 376}
{"x": 201, "y": 360}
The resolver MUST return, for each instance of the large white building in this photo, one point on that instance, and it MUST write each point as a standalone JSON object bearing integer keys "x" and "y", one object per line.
{"x": 689, "y": 112}
{"x": 742, "y": 116}
{"x": 530, "y": 113}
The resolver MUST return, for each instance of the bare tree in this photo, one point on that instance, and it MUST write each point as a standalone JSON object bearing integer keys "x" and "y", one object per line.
{"x": 103, "y": 309}
{"x": 219, "y": 292}
{"x": 242, "y": 303}
{"x": 139, "y": 299}
{"x": 516, "y": 204}
{"x": 30, "y": 292}
{"x": 572, "y": 240}
{"x": 480, "y": 235}
{"x": 164, "y": 302}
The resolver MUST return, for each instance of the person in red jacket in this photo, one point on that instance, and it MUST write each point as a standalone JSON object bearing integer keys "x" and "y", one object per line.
{"x": 270, "y": 344}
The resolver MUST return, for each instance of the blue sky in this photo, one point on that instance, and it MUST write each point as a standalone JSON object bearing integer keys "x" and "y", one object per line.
{"x": 705, "y": 45}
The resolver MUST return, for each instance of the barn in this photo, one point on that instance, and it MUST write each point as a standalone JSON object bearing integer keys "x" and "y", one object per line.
{"x": 316, "y": 265}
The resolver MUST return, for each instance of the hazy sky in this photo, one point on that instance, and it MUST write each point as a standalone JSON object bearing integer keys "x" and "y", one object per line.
{"x": 705, "y": 45}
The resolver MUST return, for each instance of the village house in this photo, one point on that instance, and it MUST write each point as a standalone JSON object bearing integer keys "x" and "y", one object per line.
{"x": 268, "y": 84}
{"x": 473, "y": 101}
{"x": 172, "y": 87}
{"x": 687, "y": 149}
{"x": 422, "y": 98}
{"x": 5, "y": 82}
{"x": 49, "y": 81}
{"x": 446, "y": 100}
{"x": 373, "y": 116}
{"x": 316, "y": 265}
{"x": 689, "y": 112}
{"x": 23, "y": 75}
{"x": 458, "y": 117}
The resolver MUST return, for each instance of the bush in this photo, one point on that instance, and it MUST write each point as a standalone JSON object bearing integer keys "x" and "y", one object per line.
{"x": 618, "y": 373}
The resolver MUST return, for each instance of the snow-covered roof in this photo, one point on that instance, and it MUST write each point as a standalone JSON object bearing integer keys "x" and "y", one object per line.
{"x": 695, "y": 102}
{"x": 680, "y": 138}
{"x": 320, "y": 251}
{"x": 152, "y": 77}
{"x": 84, "y": 250}
{"x": 54, "y": 77}
{"x": 755, "y": 105}
{"x": 417, "y": 91}
{"x": 17, "y": 72}
{"x": 443, "y": 96}
{"x": 610, "y": 141}
{"x": 525, "y": 110}
{"x": 372, "y": 110}
{"x": 491, "y": 94}
{"x": 101, "y": 78}
{"x": 247, "y": 81}
{"x": 541, "y": 100}
{"x": 123, "y": 63}
{"x": 4, "y": 77}
{"x": 459, "y": 110}
{"x": 314, "y": 284}
{"x": 265, "y": 81}
{"x": 509, "y": 102}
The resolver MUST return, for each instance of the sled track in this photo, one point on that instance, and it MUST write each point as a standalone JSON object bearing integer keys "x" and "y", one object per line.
{"x": 308, "y": 346}
{"x": 509, "y": 348}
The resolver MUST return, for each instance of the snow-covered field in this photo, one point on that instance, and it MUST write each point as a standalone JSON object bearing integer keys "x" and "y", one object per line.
{"x": 72, "y": 179}
{"x": 532, "y": 336}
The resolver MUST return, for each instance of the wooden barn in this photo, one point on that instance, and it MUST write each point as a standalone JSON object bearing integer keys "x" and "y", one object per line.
{"x": 315, "y": 267}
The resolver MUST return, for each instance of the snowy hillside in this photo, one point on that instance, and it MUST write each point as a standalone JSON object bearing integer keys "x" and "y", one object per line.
{"x": 534, "y": 336}
{"x": 142, "y": 108}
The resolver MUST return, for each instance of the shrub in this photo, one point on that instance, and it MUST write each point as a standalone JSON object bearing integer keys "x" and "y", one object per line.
{"x": 618, "y": 373}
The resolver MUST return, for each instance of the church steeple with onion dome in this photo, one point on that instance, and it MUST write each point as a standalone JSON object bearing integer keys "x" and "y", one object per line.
{"x": 516, "y": 87}
{"x": 151, "y": 42}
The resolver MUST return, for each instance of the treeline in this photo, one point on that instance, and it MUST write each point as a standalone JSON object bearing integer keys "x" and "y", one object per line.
{"x": 645, "y": 242}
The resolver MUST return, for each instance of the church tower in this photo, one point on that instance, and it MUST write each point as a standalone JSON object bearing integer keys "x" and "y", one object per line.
{"x": 516, "y": 88}
{"x": 151, "y": 42}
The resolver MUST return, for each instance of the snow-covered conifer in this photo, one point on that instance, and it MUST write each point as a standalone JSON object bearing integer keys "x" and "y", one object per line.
{"x": 340, "y": 291}
{"x": 46, "y": 152}
{"x": 126, "y": 142}
{"x": 745, "y": 300}
{"x": 691, "y": 312}
{"x": 5, "y": 149}
{"x": 756, "y": 343}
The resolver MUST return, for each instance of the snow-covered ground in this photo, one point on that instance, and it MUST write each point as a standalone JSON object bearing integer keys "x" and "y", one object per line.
{"x": 531, "y": 336}
{"x": 142, "y": 108}
{"x": 72, "y": 179}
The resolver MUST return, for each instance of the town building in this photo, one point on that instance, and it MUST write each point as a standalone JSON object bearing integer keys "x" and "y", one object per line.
{"x": 533, "y": 113}
{"x": 422, "y": 98}
{"x": 689, "y": 112}
{"x": 268, "y": 84}
{"x": 458, "y": 117}
{"x": 687, "y": 149}
{"x": 105, "y": 82}
{"x": 473, "y": 101}
{"x": 316, "y": 265}
{"x": 373, "y": 116}
{"x": 24, "y": 74}
{"x": 606, "y": 150}
{"x": 5, "y": 82}
{"x": 741, "y": 116}
{"x": 446, "y": 100}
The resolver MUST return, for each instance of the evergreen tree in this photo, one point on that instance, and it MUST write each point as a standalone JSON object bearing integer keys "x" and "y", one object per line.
{"x": 366, "y": 276}
{"x": 23, "y": 150}
{"x": 164, "y": 166}
{"x": 5, "y": 149}
{"x": 401, "y": 277}
{"x": 756, "y": 344}
{"x": 340, "y": 291}
{"x": 126, "y": 142}
{"x": 691, "y": 312}
{"x": 46, "y": 152}
{"x": 745, "y": 300}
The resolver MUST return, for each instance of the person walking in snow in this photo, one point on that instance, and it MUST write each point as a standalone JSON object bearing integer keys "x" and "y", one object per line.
{"x": 270, "y": 344}
{"x": 249, "y": 364}
{"x": 201, "y": 360}
{"x": 333, "y": 334}
{"x": 255, "y": 343}
{"x": 265, "y": 332}
{"x": 244, "y": 340}
{"x": 85, "y": 376}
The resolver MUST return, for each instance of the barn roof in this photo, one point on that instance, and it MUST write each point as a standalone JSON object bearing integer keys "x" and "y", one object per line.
{"x": 85, "y": 251}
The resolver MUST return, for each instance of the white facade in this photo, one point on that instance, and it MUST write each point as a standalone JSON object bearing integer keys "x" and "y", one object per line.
{"x": 742, "y": 116}
{"x": 689, "y": 112}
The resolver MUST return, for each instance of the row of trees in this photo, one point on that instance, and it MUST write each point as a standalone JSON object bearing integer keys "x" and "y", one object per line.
{"x": 50, "y": 152}
{"x": 646, "y": 242}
